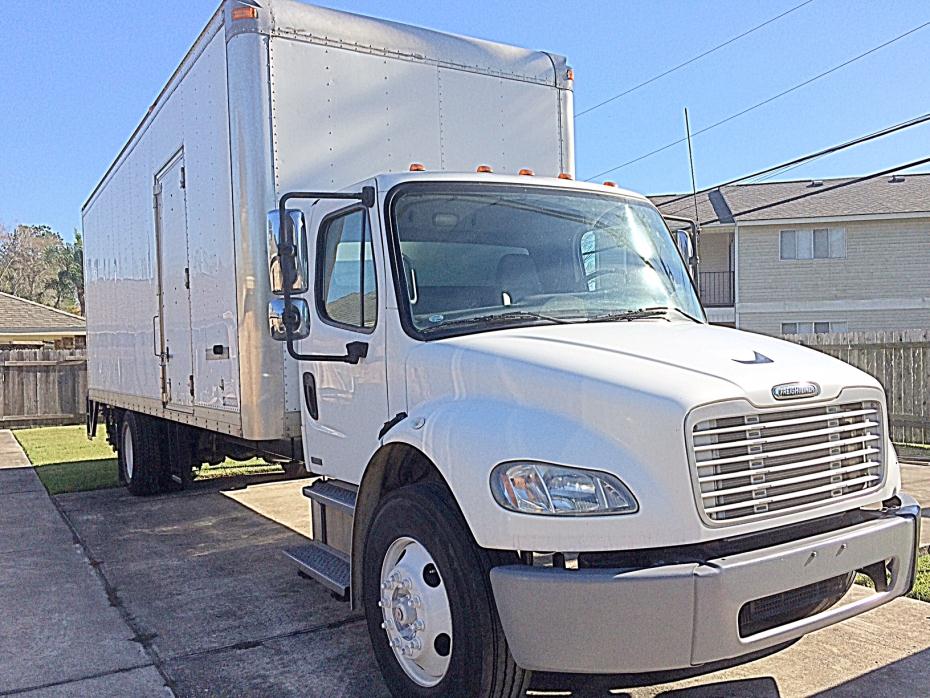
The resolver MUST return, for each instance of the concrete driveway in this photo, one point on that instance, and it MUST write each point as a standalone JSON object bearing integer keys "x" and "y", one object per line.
{"x": 212, "y": 608}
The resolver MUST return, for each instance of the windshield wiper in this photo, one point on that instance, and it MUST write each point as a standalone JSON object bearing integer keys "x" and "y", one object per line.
{"x": 658, "y": 311}
{"x": 516, "y": 315}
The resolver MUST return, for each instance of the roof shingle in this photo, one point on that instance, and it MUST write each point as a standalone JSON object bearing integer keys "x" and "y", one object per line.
{"x": 883, "y": 195}
{"x": 18, "y": 315}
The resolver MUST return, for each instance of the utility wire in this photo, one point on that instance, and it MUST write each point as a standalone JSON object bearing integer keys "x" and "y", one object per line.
{"x": 797, "y": 162}
{"x": 824, "y": 190}
{"x": 692, "y": 60}
{"x": 764, "y": 101}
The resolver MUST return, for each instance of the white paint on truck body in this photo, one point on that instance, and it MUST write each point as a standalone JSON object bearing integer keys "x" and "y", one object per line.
{"x": 300, "y": 97}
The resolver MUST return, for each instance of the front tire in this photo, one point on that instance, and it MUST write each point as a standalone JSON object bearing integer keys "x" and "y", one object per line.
{"x": 428, "y": 602}
{"x": 139, "y": 455}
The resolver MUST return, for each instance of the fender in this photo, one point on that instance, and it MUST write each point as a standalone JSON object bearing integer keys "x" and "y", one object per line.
{"x": 465, "y": 439}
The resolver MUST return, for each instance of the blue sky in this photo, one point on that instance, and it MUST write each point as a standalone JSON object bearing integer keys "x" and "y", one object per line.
{"x": 75, "y": 78}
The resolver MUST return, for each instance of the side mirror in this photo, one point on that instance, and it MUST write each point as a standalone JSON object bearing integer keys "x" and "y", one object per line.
{"x": 298, "y": 262}
{"x": 296, "y": 315}
{"x": 685, "y": 245}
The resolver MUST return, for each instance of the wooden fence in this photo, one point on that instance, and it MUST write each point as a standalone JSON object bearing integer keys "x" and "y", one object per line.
{"x": 42, "y": 387}
{"x": 901, "y": 363}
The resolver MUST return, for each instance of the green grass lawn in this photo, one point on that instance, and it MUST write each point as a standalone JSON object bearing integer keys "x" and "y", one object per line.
{"x": 66, "y": 461}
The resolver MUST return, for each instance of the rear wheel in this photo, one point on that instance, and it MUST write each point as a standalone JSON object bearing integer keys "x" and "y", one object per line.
{"x": 428, "y": 601}
{"x": 139, "y": 455}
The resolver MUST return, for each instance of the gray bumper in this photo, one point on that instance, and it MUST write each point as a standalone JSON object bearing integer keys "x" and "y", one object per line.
{"x": 685, "y": 615}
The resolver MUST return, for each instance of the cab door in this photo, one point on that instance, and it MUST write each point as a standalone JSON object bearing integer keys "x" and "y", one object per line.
{"x": 344, "y": 405}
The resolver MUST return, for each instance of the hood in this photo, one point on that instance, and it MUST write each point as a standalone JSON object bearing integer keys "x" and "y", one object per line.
{"x": 678, "y": 361}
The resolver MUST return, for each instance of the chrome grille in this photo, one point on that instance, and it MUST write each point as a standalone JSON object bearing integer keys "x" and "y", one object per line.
{"x": 773, "y": 462}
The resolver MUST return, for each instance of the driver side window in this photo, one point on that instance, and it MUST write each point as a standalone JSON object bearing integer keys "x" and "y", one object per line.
{"x": 347, "y": 294}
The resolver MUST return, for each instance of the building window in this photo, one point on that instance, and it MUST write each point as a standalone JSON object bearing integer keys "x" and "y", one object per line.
{"x": 819, "y": 243}
{"x": 820, "y": 327}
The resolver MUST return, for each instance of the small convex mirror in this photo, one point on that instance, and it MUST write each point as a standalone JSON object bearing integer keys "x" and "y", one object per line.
{"x": 296, "y": 314}
{"x": 683, "y": 241}
{"x": 298, "y": 235}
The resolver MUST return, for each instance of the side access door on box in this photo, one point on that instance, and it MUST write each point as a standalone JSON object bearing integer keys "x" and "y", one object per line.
{"x": 172, "y": 326}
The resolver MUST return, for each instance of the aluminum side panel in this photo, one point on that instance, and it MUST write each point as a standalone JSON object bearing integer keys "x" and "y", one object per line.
{"x": 506, "y": 124}
{"x": 211, "y": 254}
{"x": 120, "y": 248}
{"x": 342, "y": 116}
{"x": 261, "y": 360}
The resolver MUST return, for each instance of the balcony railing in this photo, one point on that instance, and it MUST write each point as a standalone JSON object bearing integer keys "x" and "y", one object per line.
{"x": 716, "y": 288}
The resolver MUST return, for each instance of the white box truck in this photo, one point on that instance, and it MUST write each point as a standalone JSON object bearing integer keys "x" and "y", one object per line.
{"x": 356, "y": 248}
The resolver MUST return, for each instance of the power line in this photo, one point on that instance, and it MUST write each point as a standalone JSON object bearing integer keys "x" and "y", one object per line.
{"x": 763, "y": 102}
{"x": 692, "y": 60}
{"x": 824, "y": 190}
{"x": 797, "y": 162}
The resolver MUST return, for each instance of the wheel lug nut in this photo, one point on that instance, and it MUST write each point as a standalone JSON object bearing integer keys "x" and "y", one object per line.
{"x": 419, "y": 625}
{"x": 416, "y": 602}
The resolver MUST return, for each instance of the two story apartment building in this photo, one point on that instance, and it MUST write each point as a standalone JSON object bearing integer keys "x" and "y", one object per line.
{"x": 853, "y": 256}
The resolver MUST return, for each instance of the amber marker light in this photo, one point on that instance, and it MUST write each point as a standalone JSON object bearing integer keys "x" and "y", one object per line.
{"x": 608, "y": 183}
{"x": 244, "y": 13}
{"x": 484, "y": 168}
{"x": 565, "y": 175}
{"x": 417, "y": 167}
{"x": 526, "y": 172}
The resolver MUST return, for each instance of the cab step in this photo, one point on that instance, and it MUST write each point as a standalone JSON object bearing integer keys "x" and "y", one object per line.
{"x": 331, "y": 495}
{"x": 326, "y": 565}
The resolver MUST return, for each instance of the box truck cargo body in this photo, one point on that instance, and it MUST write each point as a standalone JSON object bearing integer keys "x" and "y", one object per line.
{"x": 297, "y": 97}
{"x": 356, "y": 248}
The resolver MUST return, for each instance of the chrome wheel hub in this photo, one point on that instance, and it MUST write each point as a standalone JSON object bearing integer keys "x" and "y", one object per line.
{"x": 416, "y": 614}
{"x": 127, "y": 452}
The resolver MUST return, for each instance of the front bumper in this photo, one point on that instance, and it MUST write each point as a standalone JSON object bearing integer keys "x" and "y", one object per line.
{"x": 684, "y": 615}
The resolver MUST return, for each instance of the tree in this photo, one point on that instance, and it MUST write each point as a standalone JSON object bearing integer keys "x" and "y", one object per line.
{"x": 36, "y": 264}
{"x": 68, "y": 283}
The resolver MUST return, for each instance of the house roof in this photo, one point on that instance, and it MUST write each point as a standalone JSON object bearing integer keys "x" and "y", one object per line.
{"x": 18, "y": 315}
{"x": 908, "y": 193}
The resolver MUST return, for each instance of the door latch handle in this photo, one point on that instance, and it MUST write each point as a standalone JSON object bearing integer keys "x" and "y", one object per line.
{"x": 155, "y": 336}
{"x": 310, "y": 395}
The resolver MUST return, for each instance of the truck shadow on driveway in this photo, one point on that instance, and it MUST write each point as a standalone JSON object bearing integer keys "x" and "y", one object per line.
{"x": 209, "y": 594}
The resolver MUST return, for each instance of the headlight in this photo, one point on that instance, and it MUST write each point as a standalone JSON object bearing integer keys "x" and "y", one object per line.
{"x": 540, "y": 488}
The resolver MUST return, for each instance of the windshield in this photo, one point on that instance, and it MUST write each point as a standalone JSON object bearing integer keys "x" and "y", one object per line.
{"x": 478, "y": 256}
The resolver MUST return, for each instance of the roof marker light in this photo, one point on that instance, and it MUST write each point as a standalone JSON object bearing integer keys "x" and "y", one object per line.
{"x": 484, "y": 168}
{"x": 608, "y": 183}
{"x": 570, "y": 74}
{"x": 417, "y": 167}
{"x": 526, "y": 172}
{"x": 244, "y": 13}
{"x": 565, "y": 175}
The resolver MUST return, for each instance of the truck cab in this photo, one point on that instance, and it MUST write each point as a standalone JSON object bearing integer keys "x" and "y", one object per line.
{"x": 524, "y": 422}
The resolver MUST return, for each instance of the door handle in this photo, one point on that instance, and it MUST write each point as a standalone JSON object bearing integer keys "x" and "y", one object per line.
{"x": 155, "y": 337}
{"x": 310, "y": 395}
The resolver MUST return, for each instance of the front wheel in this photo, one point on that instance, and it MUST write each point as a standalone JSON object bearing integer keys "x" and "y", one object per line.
{"x": 428, "y": 601}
